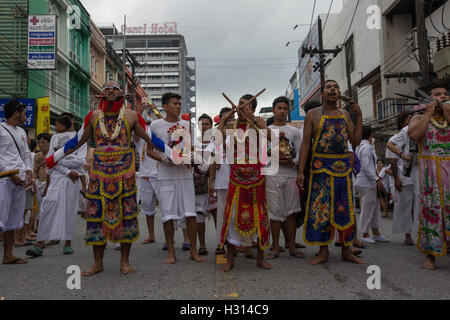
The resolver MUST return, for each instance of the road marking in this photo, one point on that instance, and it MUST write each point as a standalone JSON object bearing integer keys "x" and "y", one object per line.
{"x": 221, "y": 259}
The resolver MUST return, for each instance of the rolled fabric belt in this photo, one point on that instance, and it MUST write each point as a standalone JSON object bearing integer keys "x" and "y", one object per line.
{"x": 8, "y": 173}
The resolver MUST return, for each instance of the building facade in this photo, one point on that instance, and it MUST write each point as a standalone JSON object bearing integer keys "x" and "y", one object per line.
{"x": 379, "y": 56}
{"x": 79, "y": 77}
{"x": 164, "y": 65}
{"x": 97, "y": 65}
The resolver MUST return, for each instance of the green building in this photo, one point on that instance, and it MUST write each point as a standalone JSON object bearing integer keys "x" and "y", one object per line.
{"x": 68, "y": 85}
{"x": 13, "y": 48}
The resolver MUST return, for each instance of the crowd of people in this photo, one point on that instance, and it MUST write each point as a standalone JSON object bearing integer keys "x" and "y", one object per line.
{"x": 121, "y": 163}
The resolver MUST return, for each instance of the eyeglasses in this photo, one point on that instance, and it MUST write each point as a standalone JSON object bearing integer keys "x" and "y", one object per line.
{"x": 113, "y": 87}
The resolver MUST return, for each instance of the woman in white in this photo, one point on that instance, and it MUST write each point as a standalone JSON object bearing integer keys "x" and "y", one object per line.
{"x": 383, "y": 196}
{"x": 404, "y": 195}
{"x": 367, "y": 183}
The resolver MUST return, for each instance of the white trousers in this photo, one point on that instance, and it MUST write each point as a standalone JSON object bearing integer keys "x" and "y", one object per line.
{"x": 403, "y": 205}
{"x": 12, "y": 205}
{"x": 221, "y": 200}
{"x": 147, "y": 193}
{"x": 283, "y": 197}
{"x": 370, "y": 209}
{"x": 176, "y": 199}
{"x": 59, "y": 209}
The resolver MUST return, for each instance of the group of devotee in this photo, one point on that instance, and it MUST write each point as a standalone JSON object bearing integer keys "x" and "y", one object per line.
{"x": 121, "y": 163}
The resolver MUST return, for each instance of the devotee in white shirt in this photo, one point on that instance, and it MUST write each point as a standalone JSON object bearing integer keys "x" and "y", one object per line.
{"x": 14, "y": 155}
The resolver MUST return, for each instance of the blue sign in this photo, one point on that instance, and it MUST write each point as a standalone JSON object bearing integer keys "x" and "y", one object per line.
{"x": 29, "y": 103}
{"x": 297, "y": 113}
{"x": 42, "y": 35}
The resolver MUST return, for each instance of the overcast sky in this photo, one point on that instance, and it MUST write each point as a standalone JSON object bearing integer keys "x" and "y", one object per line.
{"x": 240, "y": 45}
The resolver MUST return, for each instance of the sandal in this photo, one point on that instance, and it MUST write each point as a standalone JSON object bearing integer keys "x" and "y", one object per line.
{"x": 186, "y": 246}
{"x": 359, "y": 245}
{"x": 67, "y": 250}
{"x": 34, "y": 252}
{"x": 220, "y": 251}
{"x": 203, "y": 251}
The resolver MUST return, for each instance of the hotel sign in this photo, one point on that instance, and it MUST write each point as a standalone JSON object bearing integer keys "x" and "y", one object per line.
{"x": 152, "y": 28}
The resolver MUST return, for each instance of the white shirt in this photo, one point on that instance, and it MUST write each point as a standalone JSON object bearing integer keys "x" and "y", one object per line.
{"x": 401, "y": 141}
{"x": 10, "y": 158}
{"x": 163, "y": 130}
{"x": 223, "y": 174}
{"x": 295, "y": 138}
{"x": 147, "y": 167}
{"x": 368, "y": 175}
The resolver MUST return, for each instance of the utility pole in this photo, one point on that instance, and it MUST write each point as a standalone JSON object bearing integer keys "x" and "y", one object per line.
{"x": 322, "y": 53}
{"x": 124, "y": 61}
{"x": 422, "y": 42}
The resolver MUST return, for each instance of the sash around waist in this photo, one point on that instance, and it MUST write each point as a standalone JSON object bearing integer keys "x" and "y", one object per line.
{"x": 113, "y": 163}
{"x": 337, "y": 165}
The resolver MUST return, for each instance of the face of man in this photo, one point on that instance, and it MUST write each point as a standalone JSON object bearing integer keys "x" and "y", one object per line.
{"x": 380, "y": 165}
{"x": 331, "y": 92}
{"x": 248, "y": 109}
{"x": 44, "y": 145}
{"x": 111, "y": 90}
{"x": 21, "y": 117}
{"x": 441, "y": 95}
{"x": 281, "y": 111}
{"x": 173, "y": 107}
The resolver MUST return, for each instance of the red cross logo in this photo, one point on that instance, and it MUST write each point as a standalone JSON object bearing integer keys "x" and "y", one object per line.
{"x": 34, "y": 21}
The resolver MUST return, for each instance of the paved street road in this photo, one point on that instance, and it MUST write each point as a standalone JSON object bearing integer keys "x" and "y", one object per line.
{"x": 401, "y": 274}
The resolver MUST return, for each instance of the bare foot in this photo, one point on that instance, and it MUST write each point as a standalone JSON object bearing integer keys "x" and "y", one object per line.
{"x": 264, "y": 264}
{"x": 195, "y": 257}
{"x": 320, "y": 258}
{"x": 349, "y": 256}
{"x": 170, "y": 260}
{"x": 125, "y": 268}
{"x": 227, "y": 266}
{"x": 14, "y": 260}
{"x": 93, "y": 270}
{"x": 273, "y": 254}
{"x": 149, "y": 240}
{"x": 430, "y": 264}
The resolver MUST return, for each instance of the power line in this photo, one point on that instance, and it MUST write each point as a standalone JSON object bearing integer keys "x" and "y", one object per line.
{"x": 312, "y": 18}
{"x": 431, "y": 18}
{"x": 442, "y": 17}
{"x": 328, "y": 14}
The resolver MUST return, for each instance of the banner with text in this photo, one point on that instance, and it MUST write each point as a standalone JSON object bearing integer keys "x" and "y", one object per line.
{"x": 29, "y": 103}
{"x": 43, "y": 116}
